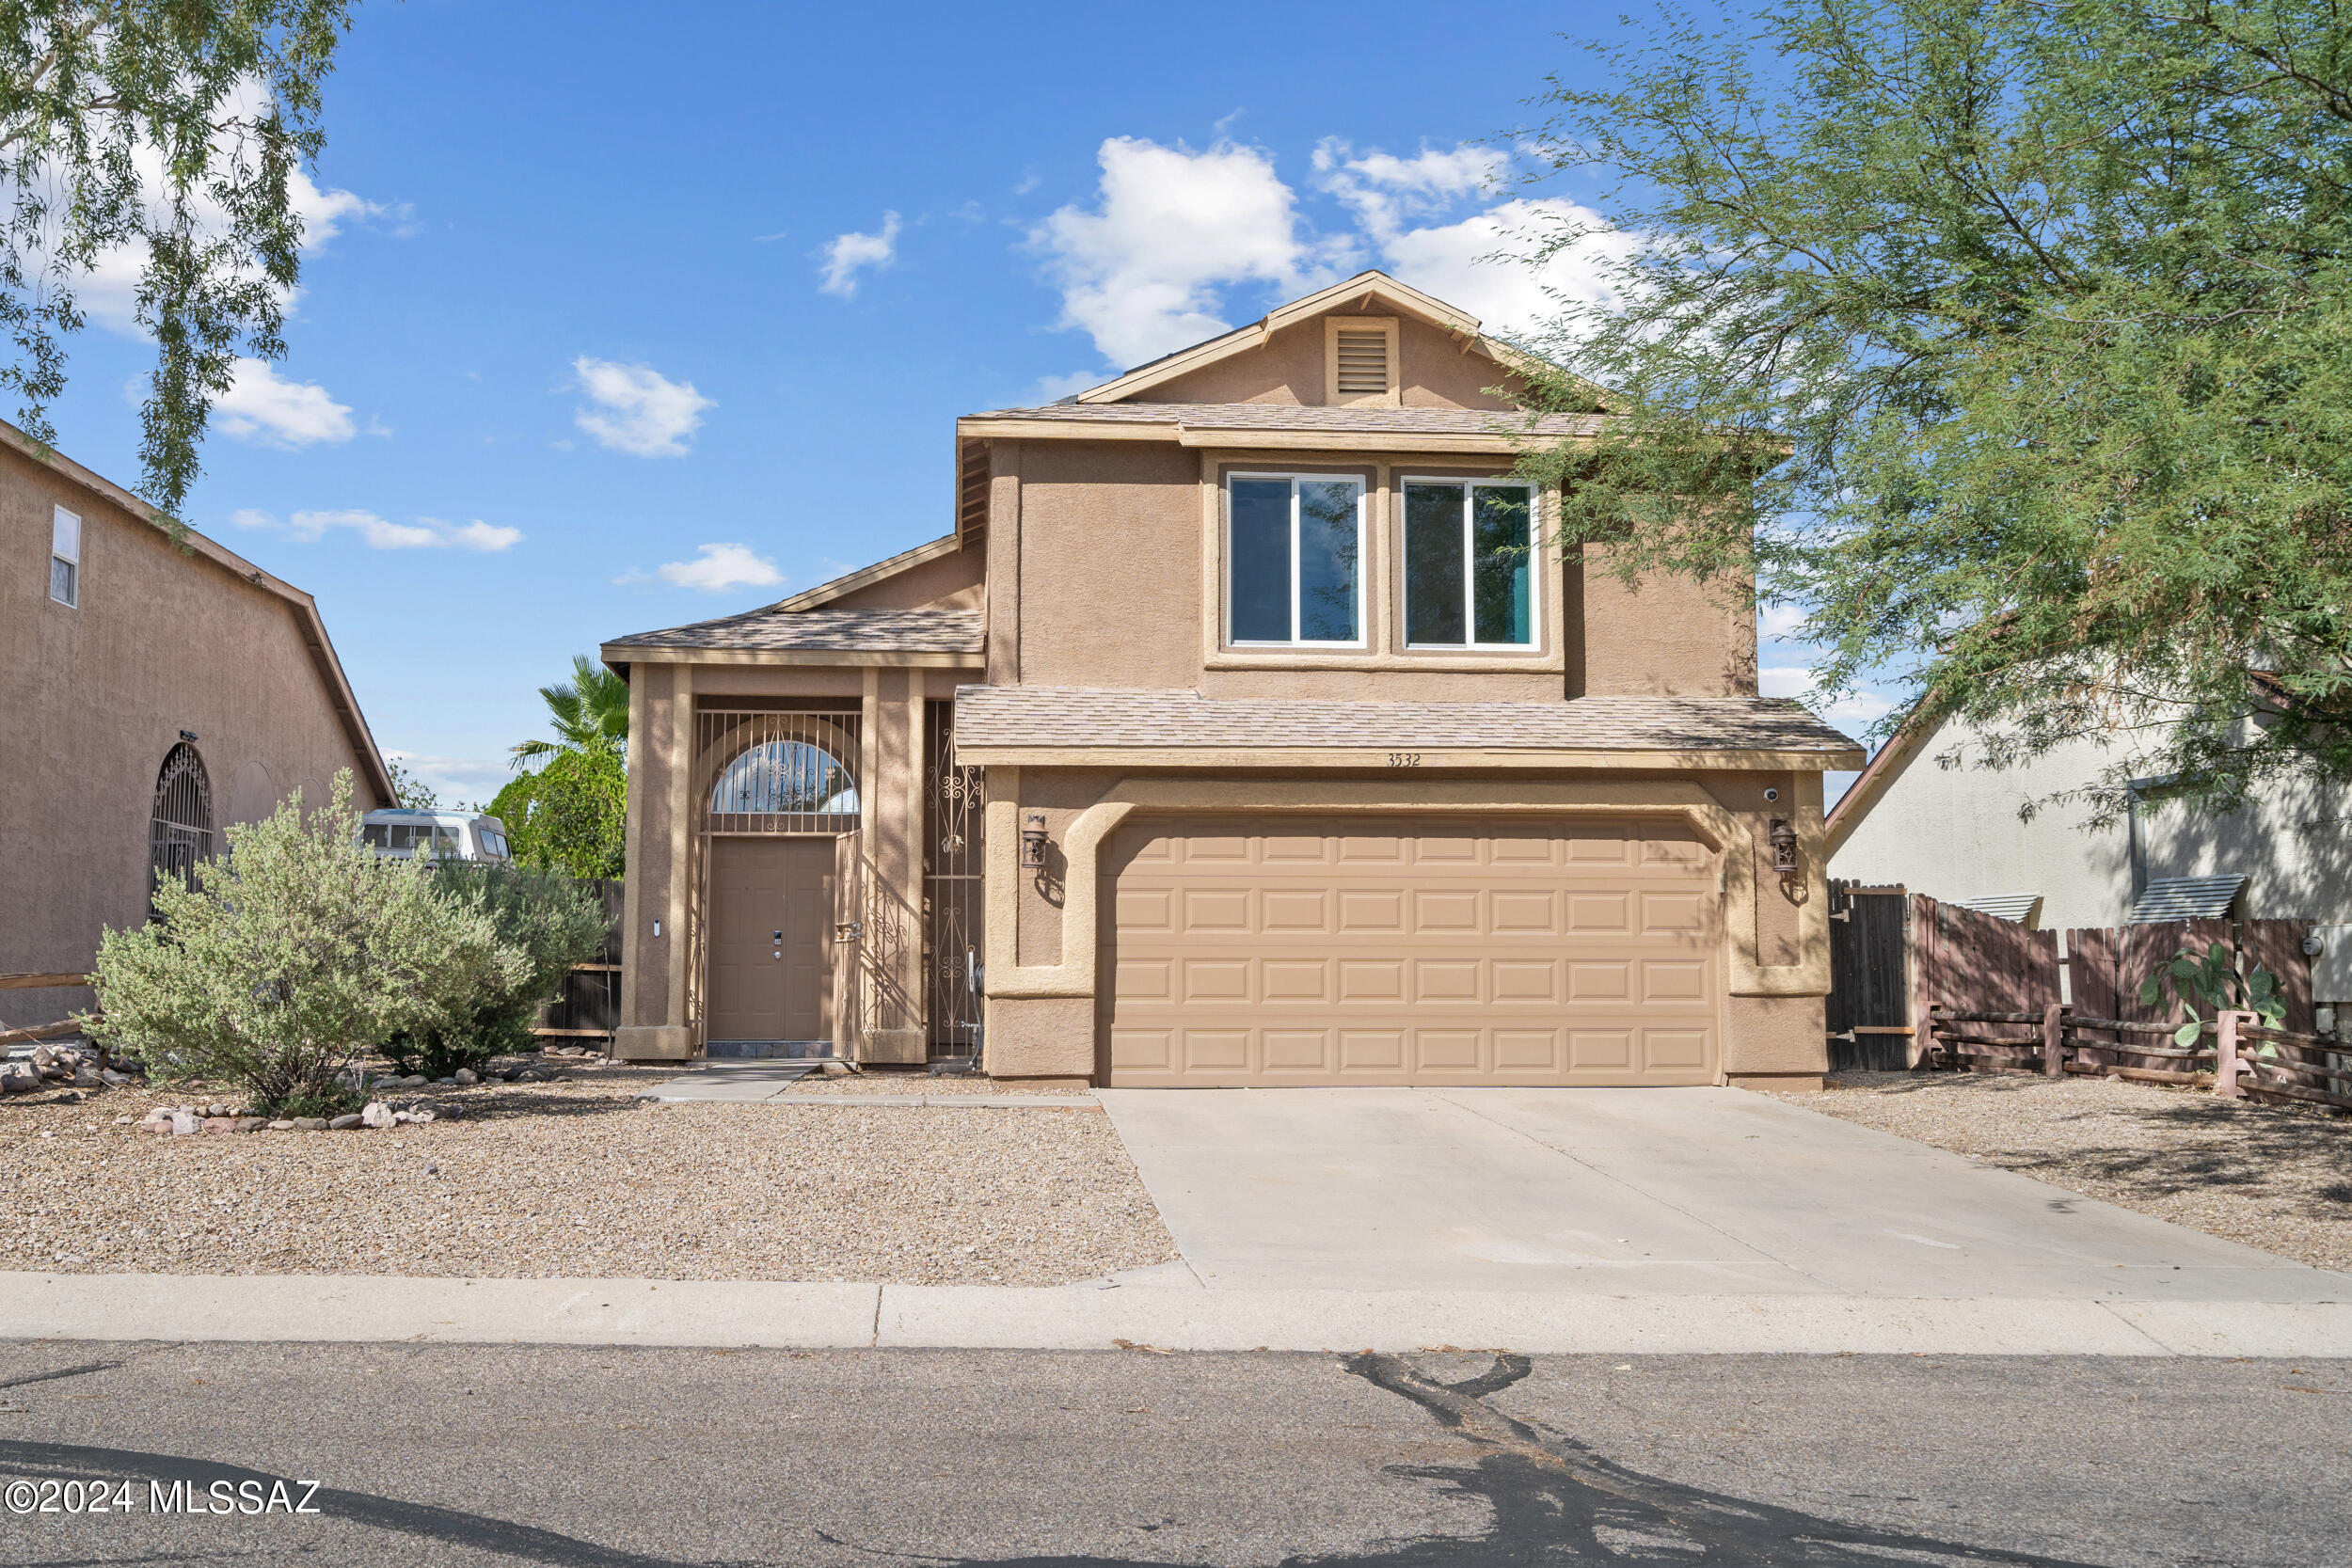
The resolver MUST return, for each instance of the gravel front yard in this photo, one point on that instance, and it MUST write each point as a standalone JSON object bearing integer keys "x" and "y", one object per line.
{"x": 581, "y": 1179}
{"x": 2275, "y": 1177}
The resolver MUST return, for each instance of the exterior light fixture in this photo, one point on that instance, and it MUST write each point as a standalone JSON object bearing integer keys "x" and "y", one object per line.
{"x": 1033, "y": 841}
{"x": 1784, "y": 839}
{"x": 187, "y": 735}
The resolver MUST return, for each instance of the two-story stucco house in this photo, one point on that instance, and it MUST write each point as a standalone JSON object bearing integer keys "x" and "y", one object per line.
{"x": 1248, "y": 730}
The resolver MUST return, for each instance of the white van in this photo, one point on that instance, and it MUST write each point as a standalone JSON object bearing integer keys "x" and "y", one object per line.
{"x": 448, "y": 834}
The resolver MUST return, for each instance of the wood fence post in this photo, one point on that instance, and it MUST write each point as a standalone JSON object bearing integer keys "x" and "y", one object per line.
{"x": 2054, "y": 1041}
{"x": 2225, "y": 1055}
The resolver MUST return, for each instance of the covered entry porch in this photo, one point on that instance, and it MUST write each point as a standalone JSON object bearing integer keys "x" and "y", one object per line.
{"x": 803, "y": 847}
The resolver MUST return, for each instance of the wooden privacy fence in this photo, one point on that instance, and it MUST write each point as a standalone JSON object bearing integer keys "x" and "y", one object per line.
{"x": 41, "y": 1031}
{"x": 1896, "y": 955}
{"x": 589, "y": 1006}
{"x": 2235, "y": 1054}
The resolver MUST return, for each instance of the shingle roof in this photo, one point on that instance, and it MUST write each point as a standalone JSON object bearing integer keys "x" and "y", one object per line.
{"x": 1292, "y": 416}
{"x": 2185, "y": 899}
{"x": 1062, "y": 717}
{"x": 860, "y": 631}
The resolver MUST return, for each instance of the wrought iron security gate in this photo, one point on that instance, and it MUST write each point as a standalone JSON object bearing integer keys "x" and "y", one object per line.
{"x": 179, "y": 828}
{"x": 954, "y": 816}
{"x": 775, "y": 772}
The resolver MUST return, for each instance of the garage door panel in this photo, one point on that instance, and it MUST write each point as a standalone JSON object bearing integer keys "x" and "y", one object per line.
{"x": 1444, "y": 952}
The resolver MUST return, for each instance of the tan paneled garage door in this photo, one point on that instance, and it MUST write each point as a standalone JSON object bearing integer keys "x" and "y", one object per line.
{"x": 1414, "y": 951}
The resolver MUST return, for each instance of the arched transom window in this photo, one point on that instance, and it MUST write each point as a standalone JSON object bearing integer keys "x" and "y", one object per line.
{"x": 784, "y": 778}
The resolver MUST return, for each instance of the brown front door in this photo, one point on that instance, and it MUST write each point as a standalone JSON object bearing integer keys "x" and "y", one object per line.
{"x": 771, "y": 919}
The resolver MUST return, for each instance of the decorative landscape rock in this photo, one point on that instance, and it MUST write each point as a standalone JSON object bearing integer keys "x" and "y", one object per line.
{"x": 282, "y": 1125}
{"x": 377, "y": 1115}
{"x": 343, "y": 1123}
{"x": 310, "y": 1124}
{"x": 467, "y": 1075}
{"x": 183, "y": 1124}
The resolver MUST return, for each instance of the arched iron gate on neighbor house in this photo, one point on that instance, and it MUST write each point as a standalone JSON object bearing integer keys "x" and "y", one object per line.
{"x": 180, "y": 825}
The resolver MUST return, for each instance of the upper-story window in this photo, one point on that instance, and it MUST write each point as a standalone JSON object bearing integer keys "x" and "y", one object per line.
{"x": 65, "y": 558}
{"x": 1470, "y": 577}
{"x": 1294, "y": 553}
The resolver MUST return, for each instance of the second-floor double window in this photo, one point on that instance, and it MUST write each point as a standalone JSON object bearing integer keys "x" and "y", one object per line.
{"x": 1470, "y": 574}
{"x": 1295, "y": 551}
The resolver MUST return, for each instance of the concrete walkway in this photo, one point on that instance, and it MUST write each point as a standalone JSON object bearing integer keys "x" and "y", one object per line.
{"x": 1638, "y": 1192}
{"x": 769, "y": 1082}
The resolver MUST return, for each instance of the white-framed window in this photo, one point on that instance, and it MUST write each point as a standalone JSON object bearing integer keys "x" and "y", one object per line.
{"x": 1293, "y": 561}
{"x": 65, "y": 558}
{"x": 1469, "y": 563}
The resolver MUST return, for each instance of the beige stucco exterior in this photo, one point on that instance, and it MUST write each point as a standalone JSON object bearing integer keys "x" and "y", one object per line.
{"x": 166, "y": 641}
{"x": 1096, "y": 550}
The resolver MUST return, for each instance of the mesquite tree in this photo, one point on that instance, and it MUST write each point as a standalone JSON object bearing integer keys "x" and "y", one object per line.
{"x": 2012, "y": 338}
{"x": 156, "y": 138}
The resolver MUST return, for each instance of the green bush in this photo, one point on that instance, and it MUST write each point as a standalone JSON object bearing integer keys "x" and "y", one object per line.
{"x": 290, "y": 955}
{"x": 571, "y": 815}
{"x": 546, "y": 923}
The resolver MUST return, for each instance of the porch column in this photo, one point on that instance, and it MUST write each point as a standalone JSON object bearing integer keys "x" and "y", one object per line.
{"x": 653, "y": 1025}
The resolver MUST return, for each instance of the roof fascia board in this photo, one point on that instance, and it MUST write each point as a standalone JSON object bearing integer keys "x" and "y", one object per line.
{"x": 1227, "y": 437}
{"x": 309, "y": 624}
{"x": 866, "y": 576}
{"x": 986, "y": 754}
{"x": 616, "y": 656}
{"x": 1070, "y": 430}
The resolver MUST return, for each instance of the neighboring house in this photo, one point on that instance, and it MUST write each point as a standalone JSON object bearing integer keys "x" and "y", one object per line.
{"x": 1304, "y": 760}
{"x": 154, "y": 694}
{"x": 1954, "y": 832}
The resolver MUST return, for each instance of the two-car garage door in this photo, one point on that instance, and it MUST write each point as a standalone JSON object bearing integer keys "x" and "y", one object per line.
{"x": 1410, "y": 951}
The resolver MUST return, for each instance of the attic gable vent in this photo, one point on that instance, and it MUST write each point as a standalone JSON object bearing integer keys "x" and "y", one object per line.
{"x": 1363, "y": 363}
{"x": 1360, "y": 359}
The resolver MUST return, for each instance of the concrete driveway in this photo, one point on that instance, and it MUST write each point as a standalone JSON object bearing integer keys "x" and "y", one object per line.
{"x": 1636, "y": 1192}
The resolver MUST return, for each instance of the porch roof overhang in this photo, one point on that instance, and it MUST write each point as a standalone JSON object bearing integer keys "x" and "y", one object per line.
{"x": 1083, "y": 727}
{"x": 922, "y": 638}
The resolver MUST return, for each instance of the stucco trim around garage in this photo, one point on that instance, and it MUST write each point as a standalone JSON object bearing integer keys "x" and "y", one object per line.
{"x": 309, "y": 624}
{"x": 1075, "y": 976}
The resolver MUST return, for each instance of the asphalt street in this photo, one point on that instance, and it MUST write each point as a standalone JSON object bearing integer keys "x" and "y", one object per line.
{"x": 617, "y": 1458}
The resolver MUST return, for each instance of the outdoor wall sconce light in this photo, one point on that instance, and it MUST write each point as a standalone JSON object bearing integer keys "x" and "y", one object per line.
{"x": 1784, "y": 839}
{"x": 1033, "y": 842}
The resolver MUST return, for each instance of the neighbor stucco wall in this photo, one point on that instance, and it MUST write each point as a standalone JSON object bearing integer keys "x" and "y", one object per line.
{"x": 1954, "y": 833}
{"x": 94, "y": 697}
{"x": 1434, "y": 370}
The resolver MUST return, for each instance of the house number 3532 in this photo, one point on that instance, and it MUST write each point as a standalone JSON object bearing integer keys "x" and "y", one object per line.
{"x": 1404, "y": 759}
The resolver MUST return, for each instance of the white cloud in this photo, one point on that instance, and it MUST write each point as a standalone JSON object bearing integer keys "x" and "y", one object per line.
{"x": 1142, "y": 272}
{"x": 638, "y": 410}
{"x": 262, "y": 406}
{"x": 1052, "y": 389}
{"x": 108, "y": 293}
{"x": 845, "y": 254}
{"x": 1774, "y": 622}
{"x": 1383, "y": 190}
{"x": 1475, "y": 264}
{"x": 714, "y": 569}
{"x": 457, "y": 779}
{"x": 379, "y": 533}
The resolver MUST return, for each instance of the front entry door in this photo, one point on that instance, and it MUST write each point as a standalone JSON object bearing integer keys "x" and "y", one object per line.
{"x": 771, "y": 919}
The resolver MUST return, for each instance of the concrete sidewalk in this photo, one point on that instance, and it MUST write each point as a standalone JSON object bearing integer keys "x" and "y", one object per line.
{"x": 362, "y": 1308}
{"x": 1692, "y": 1192}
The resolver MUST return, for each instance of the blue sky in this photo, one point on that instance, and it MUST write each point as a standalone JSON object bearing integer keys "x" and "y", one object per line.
{"x": 622, "y": 316}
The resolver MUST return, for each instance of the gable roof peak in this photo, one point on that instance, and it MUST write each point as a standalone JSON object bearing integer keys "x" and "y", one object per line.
{"x": 1364, "y": 289}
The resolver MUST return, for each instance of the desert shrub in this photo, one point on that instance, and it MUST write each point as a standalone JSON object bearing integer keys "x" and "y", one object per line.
{"x": 544, "y": 924}
{"x": 291, "y": 954}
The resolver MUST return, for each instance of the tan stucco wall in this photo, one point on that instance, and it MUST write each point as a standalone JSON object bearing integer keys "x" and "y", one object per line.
{"x": 951, "y": 581}
{"x": 1667, "y": 637}
{"x": 93, "y": 699}
{"x": 1432, "y": 369}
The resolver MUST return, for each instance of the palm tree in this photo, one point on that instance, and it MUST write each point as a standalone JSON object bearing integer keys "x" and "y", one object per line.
{"x": 595, "y": 701}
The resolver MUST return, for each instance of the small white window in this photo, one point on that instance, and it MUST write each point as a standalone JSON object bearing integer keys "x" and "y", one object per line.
{"x": 65, "y": 558}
